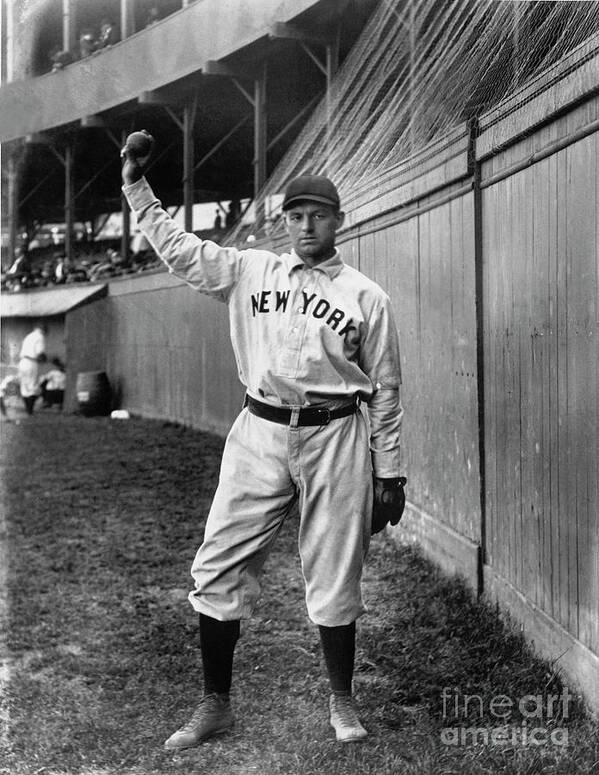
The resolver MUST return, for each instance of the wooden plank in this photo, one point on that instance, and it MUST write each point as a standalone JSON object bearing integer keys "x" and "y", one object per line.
{"x": 543, "y": 142}
{"x": 571, "y": 201}
{"x": 553, "y": 389}
{"x": 402, "y": 286}
{"x": 507, "y": 404}
{"x": 530, "y": 389}
{"x": 441, "y": 436}
{"x": 578, "y": 664}
{"x": 350, "y": 251}
{"x": 489, "y": 302}
{"x": 367, "y": 255}
{"x": 581, "y": 201}
{"x": 562, "y": 431}
{"x": 543, "y": 265}
{"x": 594, "y": 489}
{"x": 464, "y": 365}
{"x": 455, "y": 554}
{"x": 514, "y": 267}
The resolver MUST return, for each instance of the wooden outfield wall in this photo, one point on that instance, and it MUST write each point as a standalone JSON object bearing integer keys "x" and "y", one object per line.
{"x": 487, "y": 242}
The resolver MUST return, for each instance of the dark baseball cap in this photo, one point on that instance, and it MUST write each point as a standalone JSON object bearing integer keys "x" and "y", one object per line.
{"x": 316, "y": 188}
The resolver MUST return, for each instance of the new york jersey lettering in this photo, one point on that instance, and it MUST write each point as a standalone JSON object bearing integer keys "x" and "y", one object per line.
{"x": 262, "y": 303}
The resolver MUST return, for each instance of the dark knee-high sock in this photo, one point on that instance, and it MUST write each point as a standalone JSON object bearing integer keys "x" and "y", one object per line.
{"x": 339, "y": 646}
{"x": 217, "y": 641}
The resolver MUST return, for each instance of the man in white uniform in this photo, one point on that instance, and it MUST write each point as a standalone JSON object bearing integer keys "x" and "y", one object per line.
{"x": 33, "y": 352}
{"x": 313, "y": 339}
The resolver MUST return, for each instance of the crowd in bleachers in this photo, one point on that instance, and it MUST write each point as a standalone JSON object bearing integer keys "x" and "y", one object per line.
{"x": 88, "y": 265}
{"x": 92, "y": 41}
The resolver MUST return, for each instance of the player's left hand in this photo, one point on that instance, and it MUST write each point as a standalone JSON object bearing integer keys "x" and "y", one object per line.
{"x": 389, "y": 502}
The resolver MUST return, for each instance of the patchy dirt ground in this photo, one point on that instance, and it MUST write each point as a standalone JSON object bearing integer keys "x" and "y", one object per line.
{"x": 101, "y": 664}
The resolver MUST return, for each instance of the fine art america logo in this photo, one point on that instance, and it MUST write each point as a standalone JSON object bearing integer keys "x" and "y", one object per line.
{"x": 529, "y": 720}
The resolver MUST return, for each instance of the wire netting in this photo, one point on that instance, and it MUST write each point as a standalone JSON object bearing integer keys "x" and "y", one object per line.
{"x": 420, "y": 68}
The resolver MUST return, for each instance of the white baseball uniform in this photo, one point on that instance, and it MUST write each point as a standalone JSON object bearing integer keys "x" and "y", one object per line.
{"x": 33, "y": 345}
{"x": 302, "y": 336}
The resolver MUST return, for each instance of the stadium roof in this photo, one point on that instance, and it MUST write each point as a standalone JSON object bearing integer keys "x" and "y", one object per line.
{"x": 46, "y": 303}
{"x": 209, "y": 54}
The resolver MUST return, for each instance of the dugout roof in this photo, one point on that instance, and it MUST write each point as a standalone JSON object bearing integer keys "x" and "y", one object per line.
{"x": 46, "y": 302}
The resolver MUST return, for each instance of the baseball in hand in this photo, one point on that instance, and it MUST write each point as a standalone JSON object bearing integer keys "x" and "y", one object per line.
{"x": 139, "y": 143}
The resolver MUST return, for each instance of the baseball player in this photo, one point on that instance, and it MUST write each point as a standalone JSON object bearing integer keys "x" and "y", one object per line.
{"x": 31, "y": 355}
{"x": 313, "y": 339}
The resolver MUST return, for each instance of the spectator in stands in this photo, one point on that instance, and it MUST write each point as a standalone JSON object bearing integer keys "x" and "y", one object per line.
{"x": 60, "y": 58}
{"x": 33, "y": 352}
{"x": 87, "y": 43}
{"x": 77, "y": 274}
{"x": 110, "y": 266}
{"x": 19, "y": 275}
{"x": 21, "y": 263}
{"x": 47, "y": 273}
{"x": 152, "y": 16}
{"x": 139, "y": 246}
{"x": 108, "y": 34}
{"x": 60, "y": 269}
{"x": 233, "y": 214}
{"x": 53, "y": 384}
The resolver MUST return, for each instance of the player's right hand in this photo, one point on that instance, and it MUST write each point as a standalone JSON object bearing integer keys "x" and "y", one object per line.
{"x": 133, "y": 163}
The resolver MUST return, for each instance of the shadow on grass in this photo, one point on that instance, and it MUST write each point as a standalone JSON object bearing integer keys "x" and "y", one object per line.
{"x": 103, "y": 659}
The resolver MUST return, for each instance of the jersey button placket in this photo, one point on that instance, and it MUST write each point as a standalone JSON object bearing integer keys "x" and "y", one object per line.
{"x": 298, "y": 325}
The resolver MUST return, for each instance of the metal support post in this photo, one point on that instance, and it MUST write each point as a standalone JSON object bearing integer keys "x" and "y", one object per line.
{"x": 260, "y": 132}
{"x": 69, "y": 39}
{"x": 126, "y": 216}
{"x": 68, "y": 200}
{"x": 13, "y": 205}
{"x": 7, "y": 63}
{"x": 127, "y": 19}
{"x": 189, "y": 112}
{"x": 332, "y": 63}
{"x": 412, "y": 40}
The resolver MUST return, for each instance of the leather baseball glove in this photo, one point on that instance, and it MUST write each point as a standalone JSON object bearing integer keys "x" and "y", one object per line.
{"x": 388, "y": 503}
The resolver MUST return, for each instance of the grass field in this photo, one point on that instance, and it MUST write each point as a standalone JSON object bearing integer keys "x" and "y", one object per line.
{"x": 102, "y": 519}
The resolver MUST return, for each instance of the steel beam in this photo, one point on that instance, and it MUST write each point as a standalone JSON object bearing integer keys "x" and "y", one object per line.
{"x": 327, "y": 65}
{"x": 189, "y": 114}
{"x": 260, "y": 141}
{"x": 127, "y": 19}
{"x": 69, "y": 204}
{"x": 258, "y": 101}
{"x": 291, "y": 32}
{"x": 69, "y": 26}
{"x": 13, "y": 205}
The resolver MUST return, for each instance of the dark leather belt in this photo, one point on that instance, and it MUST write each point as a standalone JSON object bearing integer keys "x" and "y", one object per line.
{"x": 308, "y": 415}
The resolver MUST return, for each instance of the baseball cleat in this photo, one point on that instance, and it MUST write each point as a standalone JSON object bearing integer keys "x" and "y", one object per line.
{"x": 344, "y": 719}
{"x": 213, "y": 716}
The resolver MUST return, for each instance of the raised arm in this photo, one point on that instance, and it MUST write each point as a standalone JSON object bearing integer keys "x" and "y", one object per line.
{"x": 204, "y": 265}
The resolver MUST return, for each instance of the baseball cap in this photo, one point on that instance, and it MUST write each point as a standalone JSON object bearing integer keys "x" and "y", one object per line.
{"x": 316, "y": 188}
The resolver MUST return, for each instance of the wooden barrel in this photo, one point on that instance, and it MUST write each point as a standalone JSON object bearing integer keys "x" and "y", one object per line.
{"x": 94, "y": 393}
